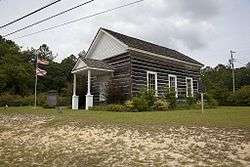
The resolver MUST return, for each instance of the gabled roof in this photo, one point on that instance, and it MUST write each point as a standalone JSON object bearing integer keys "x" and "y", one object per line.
{"x": 92, "y": 63}
{"x": 83, "y": 64}
{"x": 150, "y": 47}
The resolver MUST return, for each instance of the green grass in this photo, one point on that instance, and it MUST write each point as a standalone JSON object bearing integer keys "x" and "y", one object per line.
{"x": 226, "y": 117}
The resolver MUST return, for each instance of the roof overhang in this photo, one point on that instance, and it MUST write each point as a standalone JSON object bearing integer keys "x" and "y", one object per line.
{"x": 90, "y": 68}
{"x": 98, "y": 67}
{"x": 164, "y": 57}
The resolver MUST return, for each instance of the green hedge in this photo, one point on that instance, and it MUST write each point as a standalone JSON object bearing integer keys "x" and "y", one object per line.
{"x": 16, "y": 100}
{"x": 241, "y": 97}
{"x": 110, "y": 107}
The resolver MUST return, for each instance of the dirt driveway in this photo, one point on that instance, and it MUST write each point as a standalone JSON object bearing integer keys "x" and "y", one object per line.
{"x": 30, "y": 140}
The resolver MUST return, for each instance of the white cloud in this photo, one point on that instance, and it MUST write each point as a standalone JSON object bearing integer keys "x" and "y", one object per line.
{"x": 190, "y": 26}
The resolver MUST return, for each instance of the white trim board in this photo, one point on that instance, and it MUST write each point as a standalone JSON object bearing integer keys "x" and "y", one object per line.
{"x": 192, "y": 87}
{"x": 176, "y": 86}
{"x": 164, "y": 57}
{"x": 90, "y": 68}
{"x": 156, "y": 81}
{"x": 79, "y": 64}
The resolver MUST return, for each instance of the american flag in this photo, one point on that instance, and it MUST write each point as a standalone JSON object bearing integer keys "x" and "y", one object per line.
{"x": 40, "y": 72}
{"x": 42, "y": 62}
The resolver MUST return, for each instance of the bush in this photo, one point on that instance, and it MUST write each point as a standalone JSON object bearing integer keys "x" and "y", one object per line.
{"x": 115, "y": 93}
{"x": 148, "y": 96}
{"x": 64, "y": 101}
{"x": 116, "y": 108}
{"x": 16, "y": 100}
{"x": 170, "y": 97}
{"x": 144, "y": 101}
{"x": 210, "y": 101}
{"x": 187, "y": 103}
{"x": 139, "y": 104}
{"x": 161, "y": 105}
{"x": 219, "y": 96}
{"x": 191, "y": 101}
{"x": 111, "y": 107}
{"x": 241, "y": 97}
{"x": 98, "y": 108}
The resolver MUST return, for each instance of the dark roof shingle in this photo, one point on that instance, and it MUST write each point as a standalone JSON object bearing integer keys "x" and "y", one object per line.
{"x": 150, "y": 47}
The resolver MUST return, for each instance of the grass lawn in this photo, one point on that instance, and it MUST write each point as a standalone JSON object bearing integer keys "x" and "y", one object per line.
{"x": 45, "y": 137}
{"x": 227, "y": 117}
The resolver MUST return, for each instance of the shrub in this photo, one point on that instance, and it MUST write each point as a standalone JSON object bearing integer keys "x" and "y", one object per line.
{"x": 115, "y": 93}
{"x": 98, "y": 108}
{"x": 64, "y": 101}
{"x": 116, "y": 108}
{"x": 241, "y": 97}
{"x": 219, "y": 95}
{"x": 170, "y": 97}
{"x": 110, "y": 107}
{"x": 12, "y": 100}
{"x": 140, "y": 104}
{"x": 210, "y": 101}
{"x": 148, "y": 96}
{"x": 144, "y": 101}
{"x": 17, "y": 100}
{"x": 190, "y": 101}
{"x": 130, "y": 105}
{"x": 161, "y": 105}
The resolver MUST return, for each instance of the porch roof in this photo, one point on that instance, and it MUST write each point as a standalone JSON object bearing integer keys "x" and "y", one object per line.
{"x": 92, "y": 64}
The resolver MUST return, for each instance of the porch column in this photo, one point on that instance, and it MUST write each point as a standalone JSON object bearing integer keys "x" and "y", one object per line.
{"x": 89, "y": 97}
{"x": 74, "y": 85}
{"x": 89, "y": 82}
{"x": 74, "y": 97}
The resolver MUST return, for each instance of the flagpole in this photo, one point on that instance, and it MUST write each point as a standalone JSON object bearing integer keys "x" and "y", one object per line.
{"x": 36, "y": 79}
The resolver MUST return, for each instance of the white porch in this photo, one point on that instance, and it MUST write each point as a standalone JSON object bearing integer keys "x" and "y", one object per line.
{"x": 88, "y": 68}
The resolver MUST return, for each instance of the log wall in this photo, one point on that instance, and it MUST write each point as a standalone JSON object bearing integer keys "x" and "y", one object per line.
{"x": 121, "y": 66}
{"x": 130, "y": 69}
{"x": 141, "y": 63}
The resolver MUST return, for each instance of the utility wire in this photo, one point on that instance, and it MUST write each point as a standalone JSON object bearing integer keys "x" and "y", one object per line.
{"x": 48, "y": 18}
{"x": 79, "y": 19}
{"x": 27, "y": 15}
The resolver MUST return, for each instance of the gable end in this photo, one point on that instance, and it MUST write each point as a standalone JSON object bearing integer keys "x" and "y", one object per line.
{"x": 105, "y": 46}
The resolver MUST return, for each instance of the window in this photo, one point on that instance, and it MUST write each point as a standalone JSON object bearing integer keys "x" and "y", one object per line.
{"x": 152, "y": 81}
{"x": 189, "y": 87}
{"x": 195, "y": 86}
{"x": 172, "y": 83}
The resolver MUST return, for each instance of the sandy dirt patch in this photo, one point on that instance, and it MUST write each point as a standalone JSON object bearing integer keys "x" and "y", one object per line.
{"x": 28, "y": 140}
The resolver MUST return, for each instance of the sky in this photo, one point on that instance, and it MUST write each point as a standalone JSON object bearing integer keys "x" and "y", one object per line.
{"x": 205, "y": 30}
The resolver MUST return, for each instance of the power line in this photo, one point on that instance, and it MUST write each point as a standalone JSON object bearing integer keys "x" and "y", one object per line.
{"x": 48, "y": 18}
{"x": 79, "y": 19}
{"x": 16, "y": 20}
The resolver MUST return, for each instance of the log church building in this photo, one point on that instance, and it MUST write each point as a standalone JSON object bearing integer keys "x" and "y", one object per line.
{"x": 136, "y": 64}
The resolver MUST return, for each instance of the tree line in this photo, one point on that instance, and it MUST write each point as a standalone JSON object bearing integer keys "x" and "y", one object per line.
{"x": 17, "y": 74}
{"x": 17, "y": 71}
{"x": 218, "y": 83}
